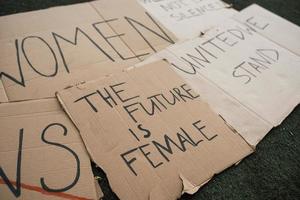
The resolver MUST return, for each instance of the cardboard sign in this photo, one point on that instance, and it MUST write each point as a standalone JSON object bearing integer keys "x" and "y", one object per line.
{"x": 161, "y": 139}
{"x": 272, "y": 26}
{"x": 188, "y": 18}
{"x": 63, "y": 45}
{"x": 256, "y": 82}
{"x": 41, "y": 154}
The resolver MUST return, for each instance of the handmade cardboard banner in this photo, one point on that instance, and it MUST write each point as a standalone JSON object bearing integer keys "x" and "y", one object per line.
{"x": 272, "y": 26}
{"x": 250, "y": 81}
{"x": 41, "y": 154}
{"x": 64, "y": 45}
{"x": 161, "y": 139}
{"x": 188, "y": 18}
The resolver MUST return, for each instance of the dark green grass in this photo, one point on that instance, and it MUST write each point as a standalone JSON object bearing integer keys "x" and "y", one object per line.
{"x": 273, "y": 171}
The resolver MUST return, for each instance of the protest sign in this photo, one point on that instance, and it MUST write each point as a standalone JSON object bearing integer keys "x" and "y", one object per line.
{"x": 41, "y": 154}
{"x": 46, "y": 50}
{"x": 250, "y": 81}
{"x": 161, "y": 139}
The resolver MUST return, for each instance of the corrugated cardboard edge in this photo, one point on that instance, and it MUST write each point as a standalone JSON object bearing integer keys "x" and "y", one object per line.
{"x": 98, "y": 189}
{"x": 99, "y": 192}
{"x": 64, "y": 108}
{"x": 188, "y": 187}
{"x": 235, "y": 131}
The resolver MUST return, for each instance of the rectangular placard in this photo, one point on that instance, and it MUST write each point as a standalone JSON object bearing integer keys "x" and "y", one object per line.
{"x": 45, "y": 51}
{"x": 161, "y": 139}
{"x": 41, "y": 154}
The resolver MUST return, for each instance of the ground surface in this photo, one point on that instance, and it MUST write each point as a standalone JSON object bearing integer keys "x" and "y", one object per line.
{"x": 273, "y": 171}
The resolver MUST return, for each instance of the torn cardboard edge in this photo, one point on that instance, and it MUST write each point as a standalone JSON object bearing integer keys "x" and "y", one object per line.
{"x": 191, "y": 188}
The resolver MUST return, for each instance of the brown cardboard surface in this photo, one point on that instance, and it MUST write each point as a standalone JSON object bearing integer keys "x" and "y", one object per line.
{"x": 151, "y": 133}
{"x": 3, "y": 97}
{"x": 42, "y": 154}
{"x": 142, "y": 33}
{"x": 64, "y": 45}
{"x": 272, "y": 26}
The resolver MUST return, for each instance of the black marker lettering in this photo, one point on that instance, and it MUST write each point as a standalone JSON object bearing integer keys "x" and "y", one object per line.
{"x": 183, "y": 139}
{"x": 132, "y": 22}
{"x": 188, "y": 91}
{"x": 194, "y": 143}
{"x": 195, "y": 59}
{"x": 147, "y": 154}
{"x": 246, "y": 29}
{"x": 65, "y": 131}
{"x": 147, "y": 133}
{"x": 237, "y": 33}
{"x": 133, "y": 133}
{"x": 272, "y": 54}
{"x": 131, "y": 111}
{"x": 167, "y": 147}
{"x": 129, "y": 162}
{"x": 120, "y": 91}
{"x": 30, "y": 64}
{"x": 22, "y": 80}
{"x": 182, "y": 96}
{"x": 240, "y": 66}
{"x": 261, "y": 61}
{"x": 255, "y": 24}
{"x": 88, "y": 101}
{"x": 107, "y": 97}
{"x": 174, "y": 98}
{"x": 107, "y": 39}
{"x": 257, "y": 67}
{"x": 195, "y": 124}
{"x": 203, "y": 58}
{"x": 16, "y": 191}
{"x": 225, "y": 39}
{"x": 210, "y": 41}
{"x": 188, "y": 72}
{"x": 153, "y": 108}
{"x": 77, "y": 30}
{"x": 156, "y": 98}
